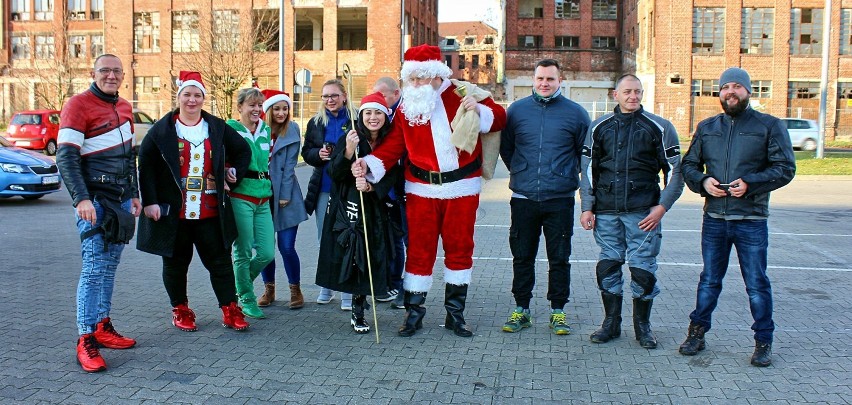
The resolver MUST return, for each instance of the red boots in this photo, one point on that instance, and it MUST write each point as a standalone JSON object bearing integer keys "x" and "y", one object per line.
{"x": 232, "y": 317}
{"x": 183, "y": 318}
{"x": 88, "y": 355}
{"x": 107, "y": 336}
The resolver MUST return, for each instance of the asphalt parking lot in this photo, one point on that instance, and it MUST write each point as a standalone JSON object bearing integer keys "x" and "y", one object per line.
{"x": 312, "y": 356}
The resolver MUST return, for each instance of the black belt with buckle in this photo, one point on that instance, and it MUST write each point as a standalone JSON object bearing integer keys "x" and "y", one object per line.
{"x": 197, "y": 183}
{"x": 444, "y": 177}
{"x": 110, "y": 179}
{"x": 251, "y": 174}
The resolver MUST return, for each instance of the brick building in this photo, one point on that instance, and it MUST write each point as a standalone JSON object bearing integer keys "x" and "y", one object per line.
{"x": 158, "y": 38}
{"x": 780, "y": 44}
{"x": 471, "y": 49}
{"x": 583, "y": 35}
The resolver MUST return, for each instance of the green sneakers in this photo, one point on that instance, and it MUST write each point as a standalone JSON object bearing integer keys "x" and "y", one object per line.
{"x": 558, "y": 323}
{"x": 519, "y": 319}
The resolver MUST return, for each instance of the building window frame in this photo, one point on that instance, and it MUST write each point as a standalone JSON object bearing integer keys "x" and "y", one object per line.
{"x": 798, "y": 90}
{"x": 21, "y": 47}
{"x": 186, "y": 36}
{"x": 96, "y": 45}
{"x": 705, "y": 88}
{"x": 708, "y": 30}
{"x": 761, "y": 89}
{"x": 846, "y": 31}
{"x": 567, "y": 9}
{"x": 147, "y": 84}
{"x": 758, "y": 30}
{"x": 226, "y": 30}
{"x": 603, "y": 42}
{"x": 604, "y": 9}
{"x": 806, "y": 31}
{"x": 97, "y": 9}
{"x": 566, "y": 41}
{"x": 530, "y": 9}
{"x": 529, "y": 41}
{"x": 43, "y": 10}
{"x": 20, "y": 10}
{"x": 146, "y": 32}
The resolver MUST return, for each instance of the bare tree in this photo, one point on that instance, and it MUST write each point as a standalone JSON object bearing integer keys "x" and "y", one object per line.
{"x": 225, "y": 50}
{"x": 57, "y": 66}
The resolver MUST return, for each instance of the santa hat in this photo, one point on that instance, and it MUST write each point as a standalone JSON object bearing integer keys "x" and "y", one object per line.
{"x": 190, "y": 79}
{"x": 273, "y": 97}
{"x": 376, "y": 101}
{"x": 424, "y": 61}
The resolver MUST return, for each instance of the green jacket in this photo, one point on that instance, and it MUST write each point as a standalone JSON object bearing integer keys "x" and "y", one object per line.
{"x": 259, "y": 142}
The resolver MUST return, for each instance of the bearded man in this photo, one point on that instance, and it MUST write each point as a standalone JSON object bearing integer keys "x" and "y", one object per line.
{"x": 734, "y": 161}
{"x": 442, "y": 183}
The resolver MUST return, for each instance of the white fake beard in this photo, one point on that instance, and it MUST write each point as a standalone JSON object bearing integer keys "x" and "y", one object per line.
{"x": 418, "y": 103}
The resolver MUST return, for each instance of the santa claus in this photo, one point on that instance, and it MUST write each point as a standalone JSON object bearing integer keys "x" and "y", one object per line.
{"x": 442, "y": 182}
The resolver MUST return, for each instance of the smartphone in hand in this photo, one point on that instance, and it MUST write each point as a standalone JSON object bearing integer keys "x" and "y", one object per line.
{"x": 164, "y": 209}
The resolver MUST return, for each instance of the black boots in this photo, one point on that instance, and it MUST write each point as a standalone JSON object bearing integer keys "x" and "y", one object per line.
{"x": 454, "y": 300}
{"x": 694, "y": 342}
{"x": 642, "y": 323}
{"x": 359, "y": 324}
{"x": 414, "y": 312}
{"x": 762, "y": 354}
{"x": 611, "y": 326}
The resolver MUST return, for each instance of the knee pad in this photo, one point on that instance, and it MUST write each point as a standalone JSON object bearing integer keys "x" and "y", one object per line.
{"x": 606, "y": 268}
{"x": 644, "y": 279}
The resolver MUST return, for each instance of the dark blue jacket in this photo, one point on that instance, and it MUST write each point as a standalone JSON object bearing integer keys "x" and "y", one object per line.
{"x": 541, "y": 146}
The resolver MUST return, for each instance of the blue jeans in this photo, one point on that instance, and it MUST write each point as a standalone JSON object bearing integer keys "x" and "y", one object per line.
{"x": 751, "y": 238}
{"x": 292, "y": 265}
{"x": 621, "y": 240}
{"x": 97, "y": 277}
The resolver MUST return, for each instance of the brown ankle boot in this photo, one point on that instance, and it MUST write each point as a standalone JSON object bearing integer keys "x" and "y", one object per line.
{"x": 268, "y": 296}
{"x": 296, "y": 299}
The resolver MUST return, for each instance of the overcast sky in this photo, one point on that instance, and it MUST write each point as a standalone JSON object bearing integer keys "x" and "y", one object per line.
{"x": 469, "y": 10}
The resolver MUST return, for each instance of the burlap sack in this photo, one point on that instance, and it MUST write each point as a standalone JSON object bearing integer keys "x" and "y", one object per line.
{"x": 466, "y": 130}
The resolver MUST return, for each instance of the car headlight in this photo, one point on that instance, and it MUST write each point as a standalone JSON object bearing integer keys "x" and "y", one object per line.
{"x": 13, "y": 168}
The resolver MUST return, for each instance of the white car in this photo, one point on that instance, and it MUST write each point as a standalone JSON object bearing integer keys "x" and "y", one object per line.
{"x": 141, "y": 124}
{"x": 803, "y": 133}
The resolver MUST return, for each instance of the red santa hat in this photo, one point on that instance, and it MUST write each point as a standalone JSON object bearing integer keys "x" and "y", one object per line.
{"x": 187, "y": 79}
{"x": 376, "y": 101}
{"x": 273, "y": 97}
{"x": 424, "y": 61}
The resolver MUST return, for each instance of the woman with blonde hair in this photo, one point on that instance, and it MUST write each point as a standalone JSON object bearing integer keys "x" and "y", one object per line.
{"x": 287, "y": 205}
{"x": 329, "y": 125}
{"x": 250, "y": 201}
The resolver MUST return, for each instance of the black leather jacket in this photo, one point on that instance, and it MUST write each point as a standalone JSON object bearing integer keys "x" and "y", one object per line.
{"x": 96, "y": 155}
{"x": 622, "y": 158}
{"x": 754, "y": 147}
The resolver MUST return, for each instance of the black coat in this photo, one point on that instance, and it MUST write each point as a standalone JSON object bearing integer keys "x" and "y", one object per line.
{"x": 341, "y": 267}
{"x": 159, "y": 180}
{"x": 314, "y": 139}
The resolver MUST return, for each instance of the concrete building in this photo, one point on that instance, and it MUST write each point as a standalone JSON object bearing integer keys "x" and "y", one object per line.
{"x": 582, "y": 35}
{"x": 158, "y": 38}
{"x": 472, "y": 50}
{"x": 680, "y": 49}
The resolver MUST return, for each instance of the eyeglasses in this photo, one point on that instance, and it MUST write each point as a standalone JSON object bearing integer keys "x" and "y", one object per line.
{"x": 107, "y": 71}
{"x": 330, "y": 96}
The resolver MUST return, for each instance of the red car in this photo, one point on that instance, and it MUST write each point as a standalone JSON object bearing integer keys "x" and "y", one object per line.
{"x": 36, "y": 129}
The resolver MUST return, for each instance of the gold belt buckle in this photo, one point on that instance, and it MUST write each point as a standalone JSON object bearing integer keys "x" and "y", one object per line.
{"x": 435, "y": 178}
{"x": 194, "y": 183}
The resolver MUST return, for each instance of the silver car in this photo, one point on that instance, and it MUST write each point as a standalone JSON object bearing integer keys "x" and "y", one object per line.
{"x": 141, "y": 124}
{"x": 803, "y": 133}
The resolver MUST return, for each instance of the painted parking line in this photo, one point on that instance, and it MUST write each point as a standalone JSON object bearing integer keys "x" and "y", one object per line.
{"x": 838, "y": 235}
{"x": 681, "y": 264}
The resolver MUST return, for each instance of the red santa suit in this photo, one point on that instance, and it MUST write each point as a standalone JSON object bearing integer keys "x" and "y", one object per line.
{"x": 435, "y": 206}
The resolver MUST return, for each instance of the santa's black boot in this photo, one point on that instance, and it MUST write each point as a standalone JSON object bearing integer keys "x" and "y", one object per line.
{"x": 455, "y": 297}
{"x": 414, "y": 313}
